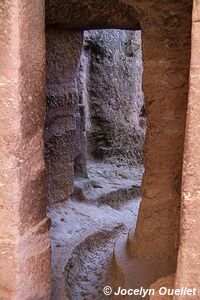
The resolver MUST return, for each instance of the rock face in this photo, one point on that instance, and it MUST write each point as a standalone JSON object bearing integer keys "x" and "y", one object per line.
{"x": 94, "y": 103}
{"x": 62, "y": 130}
{"x": 188, "y": 270}
{"x": 87, "y": 14}
{"x": 166, "y": 34}
{"x": 25, "y": 261}
{"x": 116, "y": 101}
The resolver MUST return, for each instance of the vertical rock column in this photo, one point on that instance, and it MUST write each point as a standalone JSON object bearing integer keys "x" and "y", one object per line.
{"x": 166, "y": 31}
{"x": 62, "y": 132}
{"x": 24, "y": 242}
{"x": 189, "y": 255}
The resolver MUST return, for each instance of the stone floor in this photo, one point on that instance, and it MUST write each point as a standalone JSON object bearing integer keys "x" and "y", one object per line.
{"x": 86, "y": 227}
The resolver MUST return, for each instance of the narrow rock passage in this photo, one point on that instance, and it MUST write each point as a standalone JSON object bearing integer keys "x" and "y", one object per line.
{"x": 85, "y": 228}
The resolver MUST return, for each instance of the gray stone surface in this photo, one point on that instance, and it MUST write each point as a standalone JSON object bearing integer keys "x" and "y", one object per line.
{"x": 116, "y": 101}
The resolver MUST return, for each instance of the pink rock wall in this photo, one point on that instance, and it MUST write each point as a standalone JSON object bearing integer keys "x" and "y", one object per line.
{"x": 24, "y": 243}
{"x": 166, "y": 31}
{"x": 188, "y": 268}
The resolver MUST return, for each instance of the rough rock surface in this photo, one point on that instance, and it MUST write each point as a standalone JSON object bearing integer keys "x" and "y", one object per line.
{"x": 96, "y": 95}
{"x": 167, "y": 282}
{"x": 83, "y": 235}
{"x": 91, "y": 14}
{"x": 77, "y": 102}
{"x": 188, "y": 269}
{"x": 115, "y": 96}
{"x": 63, "y": 129}
{"x": 166, "y": 35}
{"x": 108, "y": 184}
{"x": 24, "y": 228}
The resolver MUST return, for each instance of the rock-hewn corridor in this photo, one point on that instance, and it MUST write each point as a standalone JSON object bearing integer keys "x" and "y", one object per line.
{"x": 110, "y": 124}
{"x": 99, "y": 148}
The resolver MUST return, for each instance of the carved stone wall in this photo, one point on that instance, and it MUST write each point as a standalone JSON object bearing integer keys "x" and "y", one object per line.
{"x": 24, "y": 228}
{"x": 187, "y": 266}
{"x": 62, "y": 130}
{"x": 166, "y": 30}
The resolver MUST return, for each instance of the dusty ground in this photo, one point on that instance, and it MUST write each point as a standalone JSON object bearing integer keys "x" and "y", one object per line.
{"x": 85, "y": 228}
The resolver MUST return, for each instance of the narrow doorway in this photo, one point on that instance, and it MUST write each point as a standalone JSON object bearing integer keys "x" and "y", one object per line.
{"x": 105, "y": 138}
